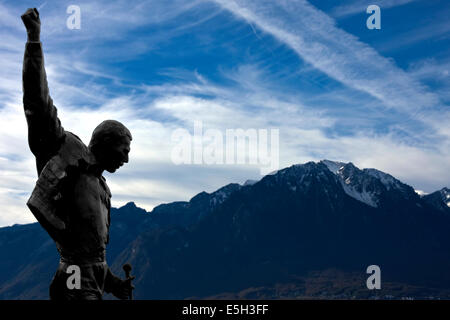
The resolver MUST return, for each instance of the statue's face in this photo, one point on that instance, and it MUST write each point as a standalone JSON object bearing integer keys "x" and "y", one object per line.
{"x": 116, "y": 154}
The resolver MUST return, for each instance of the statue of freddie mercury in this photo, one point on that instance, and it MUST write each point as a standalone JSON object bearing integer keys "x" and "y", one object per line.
{"x": 71, "y": 199}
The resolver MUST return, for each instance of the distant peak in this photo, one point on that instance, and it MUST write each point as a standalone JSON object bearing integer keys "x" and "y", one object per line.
{"x": 333, "y": 166}
{"x": 250, "y": 182}
{"x": 199, "y": 196}
{"x": 130, "y": 204}
{"x": 439, "y": 199}
{"x": 131, "y": 207}
{"x": 445, "y": 193}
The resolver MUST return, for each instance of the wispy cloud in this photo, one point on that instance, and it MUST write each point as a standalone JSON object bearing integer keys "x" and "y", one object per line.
{"x": 359, "y": 6}
{"x": 314, "y": 36}
{"x": 433, "y": 30}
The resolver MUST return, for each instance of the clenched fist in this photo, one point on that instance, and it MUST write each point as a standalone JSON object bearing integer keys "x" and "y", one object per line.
{"x": 33, "y": 24}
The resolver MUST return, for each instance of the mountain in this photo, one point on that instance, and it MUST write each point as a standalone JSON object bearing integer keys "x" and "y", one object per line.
{"x": 308, "y": 230}
{"x": 185, "y": 214}
{"x": 439, "y": 199}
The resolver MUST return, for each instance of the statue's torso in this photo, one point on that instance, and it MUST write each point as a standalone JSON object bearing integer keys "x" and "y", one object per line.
{"x": 88, "y": 216}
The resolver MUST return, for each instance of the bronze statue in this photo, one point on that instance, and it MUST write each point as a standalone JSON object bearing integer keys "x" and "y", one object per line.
{"x": 71, "y": 199}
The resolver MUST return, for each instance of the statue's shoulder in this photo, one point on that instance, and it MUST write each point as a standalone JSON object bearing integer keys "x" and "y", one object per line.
{"x": 73, "y": 149}
{"x": 48, "y": 192}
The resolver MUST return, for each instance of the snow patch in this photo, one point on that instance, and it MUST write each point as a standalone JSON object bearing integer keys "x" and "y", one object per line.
{"x": 333, "y": 166}
{"x": 386, "y": 179}
{"x": 421, "y": 193}
{"x": 364, "y": 196}
{"x": 446, "y": 196}
{"x": 369, "y": 198}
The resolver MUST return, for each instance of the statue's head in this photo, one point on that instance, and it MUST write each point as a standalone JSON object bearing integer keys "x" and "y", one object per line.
{"x": 110, "y": 144}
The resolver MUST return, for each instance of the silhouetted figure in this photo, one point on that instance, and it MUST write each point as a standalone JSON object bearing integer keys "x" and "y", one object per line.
{"x": 71, "y": 199}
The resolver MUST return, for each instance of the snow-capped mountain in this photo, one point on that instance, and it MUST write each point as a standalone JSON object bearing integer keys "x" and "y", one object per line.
{"x": 370, "y": 186}
{"x": 367, "y": 185}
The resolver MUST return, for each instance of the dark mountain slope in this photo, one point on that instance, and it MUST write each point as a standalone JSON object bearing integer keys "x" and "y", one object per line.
{"x": 288, "y": 235}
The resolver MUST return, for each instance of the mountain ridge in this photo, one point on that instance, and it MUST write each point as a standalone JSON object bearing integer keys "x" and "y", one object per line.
{"x": 289, "y": 228}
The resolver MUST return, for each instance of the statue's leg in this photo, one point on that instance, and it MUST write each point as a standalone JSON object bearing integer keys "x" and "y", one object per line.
{"x": 91, "y": 283}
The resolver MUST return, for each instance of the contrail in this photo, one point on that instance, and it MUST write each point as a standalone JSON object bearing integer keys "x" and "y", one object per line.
{"x": 42, "y": 5}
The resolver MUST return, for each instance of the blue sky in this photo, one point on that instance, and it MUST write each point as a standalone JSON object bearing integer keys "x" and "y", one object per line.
{"x": 334, "y": 89}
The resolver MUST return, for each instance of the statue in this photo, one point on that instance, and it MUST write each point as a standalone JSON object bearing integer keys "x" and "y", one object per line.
{"x": 71, "y": 199}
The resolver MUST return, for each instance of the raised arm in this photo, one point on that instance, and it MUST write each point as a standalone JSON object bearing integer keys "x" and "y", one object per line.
{"x": 45, "y": 132}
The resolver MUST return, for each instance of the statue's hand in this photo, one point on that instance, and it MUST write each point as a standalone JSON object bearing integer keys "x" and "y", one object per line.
{"x": 33, "y": 24}
{"x": 123, "y": 289}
